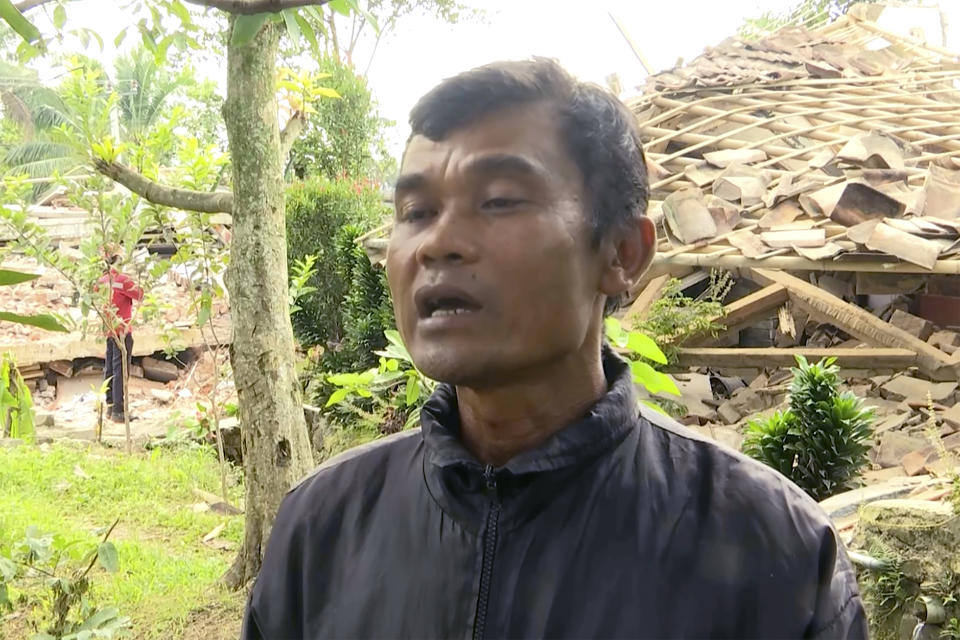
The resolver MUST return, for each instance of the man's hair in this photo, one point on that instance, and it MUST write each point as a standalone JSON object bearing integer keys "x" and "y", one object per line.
{"x": 598, "y": 129}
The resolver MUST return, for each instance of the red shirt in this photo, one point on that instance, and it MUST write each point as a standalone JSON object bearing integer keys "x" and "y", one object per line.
{"x": 125, "y": 291}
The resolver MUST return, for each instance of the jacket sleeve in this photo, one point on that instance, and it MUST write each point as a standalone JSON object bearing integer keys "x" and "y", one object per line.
{"x": 840, "y": 613}
{"x": 130, "y": 288}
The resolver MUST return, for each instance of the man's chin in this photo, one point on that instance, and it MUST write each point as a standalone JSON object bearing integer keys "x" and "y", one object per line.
{"x": 449, "y": 364}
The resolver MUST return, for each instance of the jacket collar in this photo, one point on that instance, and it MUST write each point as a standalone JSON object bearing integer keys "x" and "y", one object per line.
{"x": 605, "y": 424}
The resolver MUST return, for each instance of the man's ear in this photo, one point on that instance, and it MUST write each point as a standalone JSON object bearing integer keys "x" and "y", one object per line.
{"x": 628, "y": 253}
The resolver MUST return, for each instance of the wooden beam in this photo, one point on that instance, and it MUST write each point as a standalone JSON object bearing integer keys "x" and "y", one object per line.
{"x": 761, "y": 357}
{"x": 743, "y": 311}
{"x": 861, "y": 324}
{"x": 649, "y": 295}
{"x": 73, "y": 346}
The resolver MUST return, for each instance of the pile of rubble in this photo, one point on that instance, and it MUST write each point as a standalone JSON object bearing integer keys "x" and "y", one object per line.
{"x": 53, "y": 293}
{"x": 907, "y": 405}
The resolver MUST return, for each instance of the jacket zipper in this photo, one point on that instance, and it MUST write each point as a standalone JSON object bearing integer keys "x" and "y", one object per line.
{"x": 489, "y": 549}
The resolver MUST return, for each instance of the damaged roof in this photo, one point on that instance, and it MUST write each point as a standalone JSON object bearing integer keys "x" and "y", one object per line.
{"x": 829, "y": 149}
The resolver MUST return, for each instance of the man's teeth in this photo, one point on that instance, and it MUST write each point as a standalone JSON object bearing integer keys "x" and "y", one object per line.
{"x": 439, "y": 313}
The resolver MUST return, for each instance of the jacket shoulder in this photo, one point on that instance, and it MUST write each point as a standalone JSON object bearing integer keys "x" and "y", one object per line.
{"x": 361, "y": 471}
{"x": 718, "y": 463}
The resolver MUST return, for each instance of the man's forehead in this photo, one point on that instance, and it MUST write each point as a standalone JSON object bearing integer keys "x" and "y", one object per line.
{"x": 525, "y": 132}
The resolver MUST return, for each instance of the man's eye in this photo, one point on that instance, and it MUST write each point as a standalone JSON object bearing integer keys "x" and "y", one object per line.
{"x": 414, "y": 214}
{"x": 501, "y": 203}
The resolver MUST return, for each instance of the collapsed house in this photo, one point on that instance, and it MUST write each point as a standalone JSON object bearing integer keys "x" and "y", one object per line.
{"x": 821, "y": 168}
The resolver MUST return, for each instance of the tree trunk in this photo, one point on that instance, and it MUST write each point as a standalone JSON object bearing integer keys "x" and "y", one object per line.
{"x": 276, "y": 447}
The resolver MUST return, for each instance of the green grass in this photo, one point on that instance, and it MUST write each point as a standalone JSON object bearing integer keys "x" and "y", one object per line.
{"x": 167, "y": 575}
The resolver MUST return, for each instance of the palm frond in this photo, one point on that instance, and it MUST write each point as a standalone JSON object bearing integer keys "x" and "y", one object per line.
{"x": 17, "y": 110}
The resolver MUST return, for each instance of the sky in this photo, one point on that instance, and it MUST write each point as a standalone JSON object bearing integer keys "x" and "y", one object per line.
{"x": 579, "y": 33}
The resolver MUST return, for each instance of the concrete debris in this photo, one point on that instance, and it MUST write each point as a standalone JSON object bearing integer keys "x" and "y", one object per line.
{"x": 894, "y": 445}
{"x": 42, "y": 418}
{"x": 946, "y": 341}
{"x": 162, "y": 395}
{"x": 915, "y": 390}
{"x": 912, "y": 324}
{"x": 159, "y": 370}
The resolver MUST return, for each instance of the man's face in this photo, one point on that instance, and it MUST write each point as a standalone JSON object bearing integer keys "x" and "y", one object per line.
{"x": 490, "y": 264}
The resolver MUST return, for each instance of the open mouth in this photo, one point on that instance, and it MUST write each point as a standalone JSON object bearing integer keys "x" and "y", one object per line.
{"x": 443, "y": 301}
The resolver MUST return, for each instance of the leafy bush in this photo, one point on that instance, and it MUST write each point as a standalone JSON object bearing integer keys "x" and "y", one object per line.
{"x": 820, "y": 443}
{"x": 344, "y": 138}
{"x": 318, "y": 211}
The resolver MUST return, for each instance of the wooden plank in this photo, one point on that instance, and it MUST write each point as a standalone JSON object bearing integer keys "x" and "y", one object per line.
{"x": 743, "y": 311}
{"x": 859, "y": 323}
{"x": 761, "y": 357}
{"x": 649, "y": 295}
{"x": 672, "y": 261}
{"x": 144, "y": 343}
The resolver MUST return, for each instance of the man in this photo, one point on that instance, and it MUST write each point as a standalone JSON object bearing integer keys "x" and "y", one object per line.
{"x": 535, "y": 502}
{"x": 124, "y": 292}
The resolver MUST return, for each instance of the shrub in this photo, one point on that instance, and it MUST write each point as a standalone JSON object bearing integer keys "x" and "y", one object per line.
{"x": 317, "y": 212}
{"x": 820, "y": 443}
{"x": 344, "y": 138}
{"x": 366, "y": 308}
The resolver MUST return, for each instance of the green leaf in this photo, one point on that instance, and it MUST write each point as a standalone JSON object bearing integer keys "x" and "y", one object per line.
{"x": 59, "y": 16}
{"x": 654, "y": 381}
{"x": 326, "y": 92}
{"x": 119, "y": 39}
{"x": 8, "y": 277}
{"x": 42, "y": 320}
{"x": 107, "y": 556}
{"x": 16, "y": 20}
{"x": 337, "y": 397}
{"x": 246, "y": 28}
{"x": 206, "y": 304}
{"x": 413, "y": 392}
{"x": 8, "y": 569}
{"x": 293, "y": 27}
{"x": 307, "y": 30}
{"x": 340, "y": 6}
{"x": 181, "y": 12}
{"x": 644, "y": 345}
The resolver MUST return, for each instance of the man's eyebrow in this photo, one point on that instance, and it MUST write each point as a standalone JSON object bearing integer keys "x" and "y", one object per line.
{"x": 409, "y": 182}
{"x": 500, "y": 163}
{"x": 506, "y": 163}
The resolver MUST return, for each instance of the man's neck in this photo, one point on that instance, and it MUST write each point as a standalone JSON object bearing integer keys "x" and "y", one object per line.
{"x": 499, "y": 423}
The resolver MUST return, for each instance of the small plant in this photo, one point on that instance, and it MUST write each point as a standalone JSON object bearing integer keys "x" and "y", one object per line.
{"x": 675, "y": 317}
{"x": 301, "y": 273}
{"x": 820, "y": 442}
{"x": 65, "y": 607}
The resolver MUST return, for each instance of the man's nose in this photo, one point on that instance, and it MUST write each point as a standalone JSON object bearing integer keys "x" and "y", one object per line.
{"x": 449, "y": 238}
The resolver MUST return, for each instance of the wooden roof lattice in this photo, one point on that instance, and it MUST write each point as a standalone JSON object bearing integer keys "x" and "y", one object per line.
{"x": 829, "y": 149}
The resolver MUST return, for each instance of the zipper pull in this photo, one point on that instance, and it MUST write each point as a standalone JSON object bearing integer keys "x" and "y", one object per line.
{"x": 490, "y": 479}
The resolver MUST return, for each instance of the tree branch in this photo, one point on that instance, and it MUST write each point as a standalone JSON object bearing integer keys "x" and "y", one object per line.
{"x": 250, "y": 7}
{"x": 26, "y": 5}
{"x": 215, "y": 202}
{"x": 290, "y": 134}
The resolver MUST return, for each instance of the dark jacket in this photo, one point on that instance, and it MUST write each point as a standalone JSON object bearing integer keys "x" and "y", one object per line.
{"x": 618, "y": 526}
